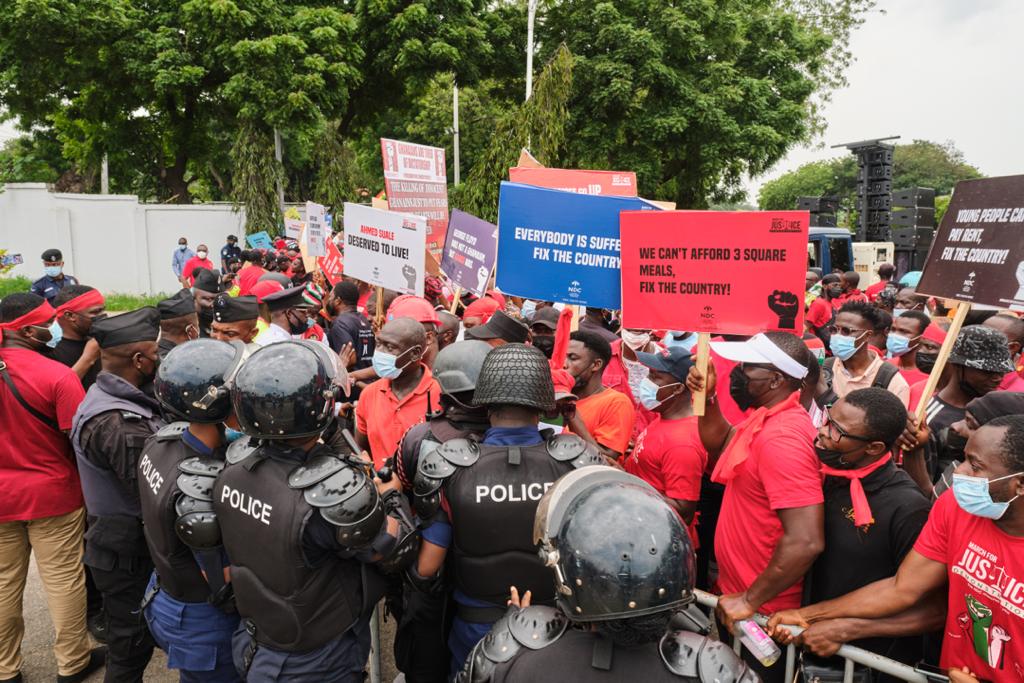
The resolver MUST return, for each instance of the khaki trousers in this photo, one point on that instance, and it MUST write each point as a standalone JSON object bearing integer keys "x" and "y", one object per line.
{"x": 57, "y": 544}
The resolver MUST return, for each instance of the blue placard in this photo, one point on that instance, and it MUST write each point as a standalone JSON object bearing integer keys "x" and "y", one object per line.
{"x": 561, "y": 246}
{"x": 259, "y": 240}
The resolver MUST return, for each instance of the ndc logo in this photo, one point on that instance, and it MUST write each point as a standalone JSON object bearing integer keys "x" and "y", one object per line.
{"x": 621, "y": 181}
{"x": 784, "y": 225}
{"x": 707, "y": 313}
{"x": 408, "y": 224}
{"x": 575, "y": 289}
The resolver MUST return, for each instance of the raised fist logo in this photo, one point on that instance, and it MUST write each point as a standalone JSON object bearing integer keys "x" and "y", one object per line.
{"x": 481, "y": 278}
{"x": 410, "y": 276}
{"x": 786, "y": 306}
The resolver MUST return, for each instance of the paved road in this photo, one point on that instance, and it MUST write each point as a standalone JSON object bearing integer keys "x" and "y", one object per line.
{"x": 37, "y": 647}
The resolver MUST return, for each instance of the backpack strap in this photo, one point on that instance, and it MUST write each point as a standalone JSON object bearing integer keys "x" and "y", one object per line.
{"x": 52, "y": 424}
{"x": 885, "y": 375}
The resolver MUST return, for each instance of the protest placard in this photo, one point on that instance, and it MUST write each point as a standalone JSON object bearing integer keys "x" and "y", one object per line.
{"x": 316, "y": 230}
{"x": 416, "y": 180}
{"x": 470, "y": 248}
{"x": 259, "y": 240}
{"x": 332, "y": 265}
{"x": 293, "y": 228}
{"x": 385, "y": 248}
{"x": 560, "y": 246}
{"x": 614, "y": 183}
{"x": 977, "y": 255}
{"x": 723, "y": 272}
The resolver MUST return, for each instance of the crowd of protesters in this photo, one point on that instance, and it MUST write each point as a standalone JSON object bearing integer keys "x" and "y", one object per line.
{"x": 808, "y": 489}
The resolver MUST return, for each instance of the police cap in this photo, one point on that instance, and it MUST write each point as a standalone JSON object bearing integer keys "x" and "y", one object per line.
{"x": 140, "y": 325}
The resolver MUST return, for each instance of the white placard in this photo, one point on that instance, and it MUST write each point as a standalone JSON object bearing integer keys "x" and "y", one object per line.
{"x": 385, "y": 248}
{"x": 316, "y": 229}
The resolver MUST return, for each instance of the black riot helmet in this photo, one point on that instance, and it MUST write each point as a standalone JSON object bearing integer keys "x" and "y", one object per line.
{"x": 457, "y": 366}
{"x": 190, "y": 381}
{"x": 518, "y": 375}
{"x": 284, "y": 390}
{"x": 617, "y": 549}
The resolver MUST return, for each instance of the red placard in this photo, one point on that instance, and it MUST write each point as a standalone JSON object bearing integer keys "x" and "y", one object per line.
{"x": 724, "y": 272}
{"x": 332, "y": 265}
{"x": 615, "y": 183}
{"x": 416, "y": 181}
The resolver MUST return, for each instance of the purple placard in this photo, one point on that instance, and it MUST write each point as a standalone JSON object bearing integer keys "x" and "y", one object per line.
{"x": 470, "y": 247}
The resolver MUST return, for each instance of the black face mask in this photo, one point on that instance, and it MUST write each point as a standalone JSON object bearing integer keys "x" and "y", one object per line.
{"x": 739, "y": 388}
{"x": 296, "y": 328}
{"x": 968, "y": 389}
{"x": 925, "y": 361}
{"x": 953, "y": 445}
{"x": 546, "y": 344}
{"x": 832, "y": 458}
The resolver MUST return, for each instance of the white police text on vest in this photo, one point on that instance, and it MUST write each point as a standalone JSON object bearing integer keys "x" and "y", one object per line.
{"x": 247, "y": 505}
{"x": 151, "y": 474}
{"x": 512, "y": 493}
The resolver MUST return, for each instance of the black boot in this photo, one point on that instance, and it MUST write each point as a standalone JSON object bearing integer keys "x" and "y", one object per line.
{"x": 97, "y": 658}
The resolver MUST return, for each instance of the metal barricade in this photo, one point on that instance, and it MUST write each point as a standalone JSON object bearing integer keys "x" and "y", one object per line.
{"x": 852, "y": 655}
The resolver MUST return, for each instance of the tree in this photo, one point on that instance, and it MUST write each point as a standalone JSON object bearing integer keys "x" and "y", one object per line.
{"x": 30, "y": 160}
{"x": 257, "y": 176}
{"x": 920, "y": 163}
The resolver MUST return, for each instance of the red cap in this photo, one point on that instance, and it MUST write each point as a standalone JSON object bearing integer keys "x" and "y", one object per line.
{"x": 497, "y": 296}
{"x": 934, "y": 333}
{"x": 265, "y": 288}
{"x": 415, "y": 307}
{"x": 564, "y": 384}
{"x": 481, "y": 308}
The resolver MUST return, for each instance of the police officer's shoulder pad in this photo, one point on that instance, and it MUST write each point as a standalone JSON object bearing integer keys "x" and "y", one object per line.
{"x": 422, "y": 485}
{"x": 537, "y": 626}
{"x": 314, "y": 471}
{"x": 207, "y": 467}
{"x": 499, "y": 645}
{"x": 336, "y": 488}
{"x": 130, "y": 416}
{"x": 239, "y": 450}
{"x": 696, "y": 657}
{"x": 435, "y": 466}
{"x": 478, "y": 668}
{"x": 196, "y": 485}
{"x": 588, "y": 457}
{"x": 459, "y": 452}
{"x": 198, "y": 530}
{"x": 680, "y": 650}
{"x": 566, "y": 447}
{"x": 172, "y": 431}
{"x": 187, "y": 504}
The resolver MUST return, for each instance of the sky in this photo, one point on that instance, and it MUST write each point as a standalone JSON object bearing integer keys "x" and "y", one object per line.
{"x": 925, "y": 69}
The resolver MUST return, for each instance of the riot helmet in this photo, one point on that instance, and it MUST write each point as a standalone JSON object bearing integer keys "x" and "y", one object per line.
{"x": 284, "y": 390}
{"x": 457, "y": 366}
{"x": 190, "y": 381}
{"x": 617, "y": 549}
{"x": 515, "y": 374}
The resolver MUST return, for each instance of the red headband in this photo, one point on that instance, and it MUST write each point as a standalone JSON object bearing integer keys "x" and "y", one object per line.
{"x": 934, "y": 333}
{"x": 82, "y": 302}
{"x": 37, "y": 316}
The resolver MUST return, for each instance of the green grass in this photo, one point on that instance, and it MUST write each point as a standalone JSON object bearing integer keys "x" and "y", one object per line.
{"x": 115, "y": 301}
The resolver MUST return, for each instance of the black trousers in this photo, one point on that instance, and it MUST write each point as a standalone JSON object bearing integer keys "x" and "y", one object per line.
{"x": 421, "y": 640}
{"x": 128, "y": 641}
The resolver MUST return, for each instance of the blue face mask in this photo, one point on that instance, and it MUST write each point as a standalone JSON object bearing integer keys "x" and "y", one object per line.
{"x": 686, "y": 343}
{"x": 52, "y": 271}
{"x": 386, "y": 364}
{"x": 56, "y": 334}
{"x": 648, "y": 393}
{"x": 973, "y": 496}
{"x": 842, "y": 346}
{"x": 182, "y": 247}
{"x": 528, "y": 309}
{"x": 232, "y": 435}
{"x": 897, "y": 345}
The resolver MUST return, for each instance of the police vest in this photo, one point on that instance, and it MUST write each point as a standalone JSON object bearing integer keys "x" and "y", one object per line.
{"x": 492, "y": 494}
{"x": 159, "y": 494}
{"x": 294, "y": 607}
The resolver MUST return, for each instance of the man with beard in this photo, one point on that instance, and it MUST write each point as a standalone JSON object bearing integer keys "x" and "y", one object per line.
{"x": 108, "y": 433}
{"x": 608, "y": 414}
{"x": 77, "y": 307}
{"x": 205, "y": 290}
{"x": 349, "y": 325}
{"x": 770, "y": 528}
{"x": 178, "y": 321}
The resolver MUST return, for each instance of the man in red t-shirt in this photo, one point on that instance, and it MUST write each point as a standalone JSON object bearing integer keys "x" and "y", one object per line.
{"x": 770, "y": 529}
{"x": 607, "y": 414}
{"x": 250, "y": 273}
{"x": 198, "y": 261}
{"x": 821, "y": 311}
{"x": 668, "y": 454}
{"x": 906, "y": 338}
{"x": 850, "y": 280}
{"x": 973, "y": 547}
{"x": 41, "y": 507}
{"x": 886, "y": 271}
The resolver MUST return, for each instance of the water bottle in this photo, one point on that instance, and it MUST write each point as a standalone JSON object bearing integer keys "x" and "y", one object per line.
{"x": 758, "y": 642}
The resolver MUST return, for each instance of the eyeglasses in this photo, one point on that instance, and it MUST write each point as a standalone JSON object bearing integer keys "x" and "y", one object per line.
{"x": 845, "y": 331}
{"x": 836, "y": 433}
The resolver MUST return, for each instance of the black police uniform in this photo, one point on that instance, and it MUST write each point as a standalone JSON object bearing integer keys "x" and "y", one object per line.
{"x": 178, "y": 306}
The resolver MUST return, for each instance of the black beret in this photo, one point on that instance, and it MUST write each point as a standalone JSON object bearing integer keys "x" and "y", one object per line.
{"x": 53, "y": 255}
{"x": 140, "y": 325}
{"x": 232, "y": 309}
{"x": 286, "y": 298}
{"x": 207, "y": 280}
{"x": 181, "y": 304}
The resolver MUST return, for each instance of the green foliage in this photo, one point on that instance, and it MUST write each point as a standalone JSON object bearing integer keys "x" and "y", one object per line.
{"x": 941, "y": 204}
{"x": 918, "y": 164}
{"x": 256, "y": 176}
{"x": 27, "y": 160}
{"x": 115, "y": 302}
{"x": 13, "y": 285}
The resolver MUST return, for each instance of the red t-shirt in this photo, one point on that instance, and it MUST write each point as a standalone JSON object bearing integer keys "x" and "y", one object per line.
{"x": 247, "y": 279}
{"x": 609, "y": 416}
{"x": 916, "y": 390}
{"x": 1012, "y": 382}
{"x": 38, "y": 476}
{"x": 192, "y": 264}
{"x": 616, "y": 377}
{"x": 782, "y": 472}
{"x": 361, "y": 303}
{"x": 852, "y": 295}
{"x": 874, "y": 290}
{"x": 670, "y": 457}
{"x": 819, "y": 313}
{"x": 985, "y": 615}
{"x": 912, "y": 375}
{"x": 385, "y": 420}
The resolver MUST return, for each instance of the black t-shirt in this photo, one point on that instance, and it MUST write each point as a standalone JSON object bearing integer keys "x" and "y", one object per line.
{"x": 856, "y": 556}
{"x": 941, "y": 449}
{"x": 352, "y": 326}
{"x": 68, "y": 351}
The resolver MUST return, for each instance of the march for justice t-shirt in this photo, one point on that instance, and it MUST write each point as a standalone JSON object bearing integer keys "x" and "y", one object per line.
{"x": 985, "y": 615}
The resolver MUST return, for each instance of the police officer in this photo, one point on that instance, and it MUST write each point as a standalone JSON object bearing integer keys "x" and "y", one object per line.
{"x": 178, "y": 321}
{"x": 204, "y": 290}
{"x": 301, "y": 523}
{"x": 108, "y": 433}
{"x": 54, "y": 278}
{"x": 188, "y": 605}
{"x": 492, "y": 489}
{"x": 421, "y": 651}
{"x": 623, "y": 569}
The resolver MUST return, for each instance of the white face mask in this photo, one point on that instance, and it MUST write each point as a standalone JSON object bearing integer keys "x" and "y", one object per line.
{"x": 201, "y": 254}
{"x": 635, "y": 340}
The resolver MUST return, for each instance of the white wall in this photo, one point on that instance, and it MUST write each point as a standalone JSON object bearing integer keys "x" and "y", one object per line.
{"x": 111, "y": 242}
